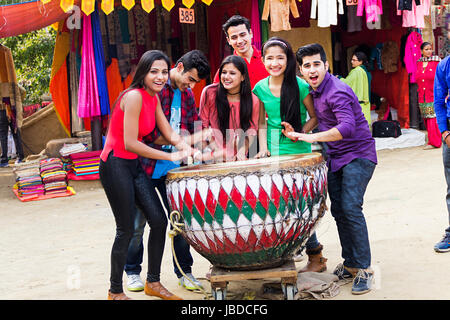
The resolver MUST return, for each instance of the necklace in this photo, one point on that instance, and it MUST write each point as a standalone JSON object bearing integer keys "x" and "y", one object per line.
{"x": 233, "y": 94}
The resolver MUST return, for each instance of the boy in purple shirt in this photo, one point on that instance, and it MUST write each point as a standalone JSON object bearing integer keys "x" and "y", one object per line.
{"x": 351, "y": 161}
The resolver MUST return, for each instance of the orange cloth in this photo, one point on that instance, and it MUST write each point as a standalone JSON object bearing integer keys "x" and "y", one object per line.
{"x": 115, "y": 86}
{"x": 279, "y": 13}
{"x": 60, "y": 96}
{"x": 59, "y": 87}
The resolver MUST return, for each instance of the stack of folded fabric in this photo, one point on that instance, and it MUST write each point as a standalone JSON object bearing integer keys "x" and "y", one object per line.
{"x": 68, "y": 149}
{"x": 85, "y": 164}
{"x": 53, "y": 176}
{"x": 29, "y": 180}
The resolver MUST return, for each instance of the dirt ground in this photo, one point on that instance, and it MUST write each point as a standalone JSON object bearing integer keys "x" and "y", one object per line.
{"x": 60, "y": 248}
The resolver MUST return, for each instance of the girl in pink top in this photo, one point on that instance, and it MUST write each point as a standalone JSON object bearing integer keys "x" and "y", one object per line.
{"x": 425, "y": 72}
{"x": 126, "y": 185}
{"x": 231, "y": 110}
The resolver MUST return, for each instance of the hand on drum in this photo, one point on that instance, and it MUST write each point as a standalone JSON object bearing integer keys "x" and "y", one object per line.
{"x": 182, "y": 154}
{"x": 289, "y": 132}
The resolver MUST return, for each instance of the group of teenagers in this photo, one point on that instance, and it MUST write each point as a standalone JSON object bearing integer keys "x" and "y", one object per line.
{"x": 257, "y": 106}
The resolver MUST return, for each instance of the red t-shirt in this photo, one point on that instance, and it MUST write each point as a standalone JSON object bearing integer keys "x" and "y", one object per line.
{"x": 256, "y": 69}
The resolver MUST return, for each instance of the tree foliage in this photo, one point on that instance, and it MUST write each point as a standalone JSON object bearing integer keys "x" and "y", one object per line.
{"x": 33, "y": 55}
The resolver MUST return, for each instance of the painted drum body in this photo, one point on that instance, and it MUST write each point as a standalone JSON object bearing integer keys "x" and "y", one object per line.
{"x": 251, "y": 214}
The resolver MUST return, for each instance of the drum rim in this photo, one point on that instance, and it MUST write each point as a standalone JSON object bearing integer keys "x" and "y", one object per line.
{"x": 290, "y": 161}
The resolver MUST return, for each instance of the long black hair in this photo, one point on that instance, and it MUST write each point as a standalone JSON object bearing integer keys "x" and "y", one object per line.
{"x": 290, "y": 93}
{"x": 143, "y": 68}
{"x": 246, "y": 100}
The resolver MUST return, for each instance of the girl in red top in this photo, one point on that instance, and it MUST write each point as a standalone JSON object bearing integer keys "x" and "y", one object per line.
{"x": 125, "y": 183}
{"x": 426, "y": 69}
{"x": 231, "y": 110}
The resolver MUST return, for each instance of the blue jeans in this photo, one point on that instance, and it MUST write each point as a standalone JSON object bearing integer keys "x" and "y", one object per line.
{"x": 346, "y": 188}
{"x": 136, "y": 248}
{"x": 446, "y": 160}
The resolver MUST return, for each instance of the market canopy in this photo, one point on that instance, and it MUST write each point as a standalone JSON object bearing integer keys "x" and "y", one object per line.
{"x": 24, "y": 17}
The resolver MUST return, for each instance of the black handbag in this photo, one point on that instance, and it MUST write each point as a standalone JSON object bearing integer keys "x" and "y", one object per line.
{"x": 386, "y": 129}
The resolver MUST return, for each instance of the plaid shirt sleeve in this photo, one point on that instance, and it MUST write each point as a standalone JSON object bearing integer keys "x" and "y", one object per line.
{"x": 189, "y": 113}
{"x": 165, "y": 97}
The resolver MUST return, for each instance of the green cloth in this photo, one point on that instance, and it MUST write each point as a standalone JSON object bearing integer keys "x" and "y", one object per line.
{"x": 277, "y": 143}
{"x": 357, "y": 80}
{"x": 264, "y": 24}
{"x": 369, "y": 80}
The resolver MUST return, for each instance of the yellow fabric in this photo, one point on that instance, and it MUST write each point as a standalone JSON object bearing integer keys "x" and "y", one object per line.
{"x": 279, "y": 13}
{"x": 88, "y": 6}
{"x": 62, "y": 47}
{"x": 108, "y": 6}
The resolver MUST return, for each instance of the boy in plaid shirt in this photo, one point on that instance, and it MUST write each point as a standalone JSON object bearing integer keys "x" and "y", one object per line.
{"x": 178, "y": 104}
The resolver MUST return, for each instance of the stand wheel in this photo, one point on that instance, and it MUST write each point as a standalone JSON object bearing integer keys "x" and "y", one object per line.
{"x": 219, "y": 294}
{"x": 289, "y": 291}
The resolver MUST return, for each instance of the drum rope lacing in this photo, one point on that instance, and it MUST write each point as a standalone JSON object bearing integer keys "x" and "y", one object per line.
{"x": 174, "y": 217}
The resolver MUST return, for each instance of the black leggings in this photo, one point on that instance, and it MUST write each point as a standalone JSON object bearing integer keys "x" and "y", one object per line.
{"x": 126, "y": 186}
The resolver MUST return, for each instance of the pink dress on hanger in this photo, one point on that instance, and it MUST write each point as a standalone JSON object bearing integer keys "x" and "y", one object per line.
{"x": 88, "y": 98}
{"x": 412, "y": 54}
{"x": 416, "y": 17}
{"x": 374, "y": 9}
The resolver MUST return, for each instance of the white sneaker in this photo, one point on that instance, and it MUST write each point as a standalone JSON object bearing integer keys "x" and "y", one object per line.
{"x": 134, "y": 283}
{"x": 190, "y": 283}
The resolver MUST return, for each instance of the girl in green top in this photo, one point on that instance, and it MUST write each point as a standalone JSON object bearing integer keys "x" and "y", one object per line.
{"x": 284, "y": 97}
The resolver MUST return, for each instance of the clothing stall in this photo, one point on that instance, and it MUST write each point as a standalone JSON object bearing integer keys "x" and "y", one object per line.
{"x": 110, "y": 45}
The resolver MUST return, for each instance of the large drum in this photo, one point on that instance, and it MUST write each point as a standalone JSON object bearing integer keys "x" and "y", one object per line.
{"x": 251, "y": 214}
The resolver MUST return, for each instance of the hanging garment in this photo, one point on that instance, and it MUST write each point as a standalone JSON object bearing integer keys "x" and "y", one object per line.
{"x": 279, "y": 13}
{"x": 304, "y": 9}
{"x": 100, "y": 65}
{"x": 121, "y": 37}
{"x": 255, "y": 25}
{"x": 327, "y": 11}
{"x": 415, "y": 17}
{"x": 406, "y": 4}
{"x": 88, "y": 99}
{"x": 59, "y": 80}
{"x": 412, "y": 54}
{"x": 9, "y": 88}
{"x": 373, "y": 9}
{"x": 76, "y": 123}
{"x": 354, "y": 23}
{"x": 389, "y": 56}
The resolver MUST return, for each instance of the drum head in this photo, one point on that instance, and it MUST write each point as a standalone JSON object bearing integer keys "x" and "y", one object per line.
{"x": 273, "y": 163}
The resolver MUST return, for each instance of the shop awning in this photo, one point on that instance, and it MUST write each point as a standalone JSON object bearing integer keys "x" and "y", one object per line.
{"x": 24, "y": 17}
